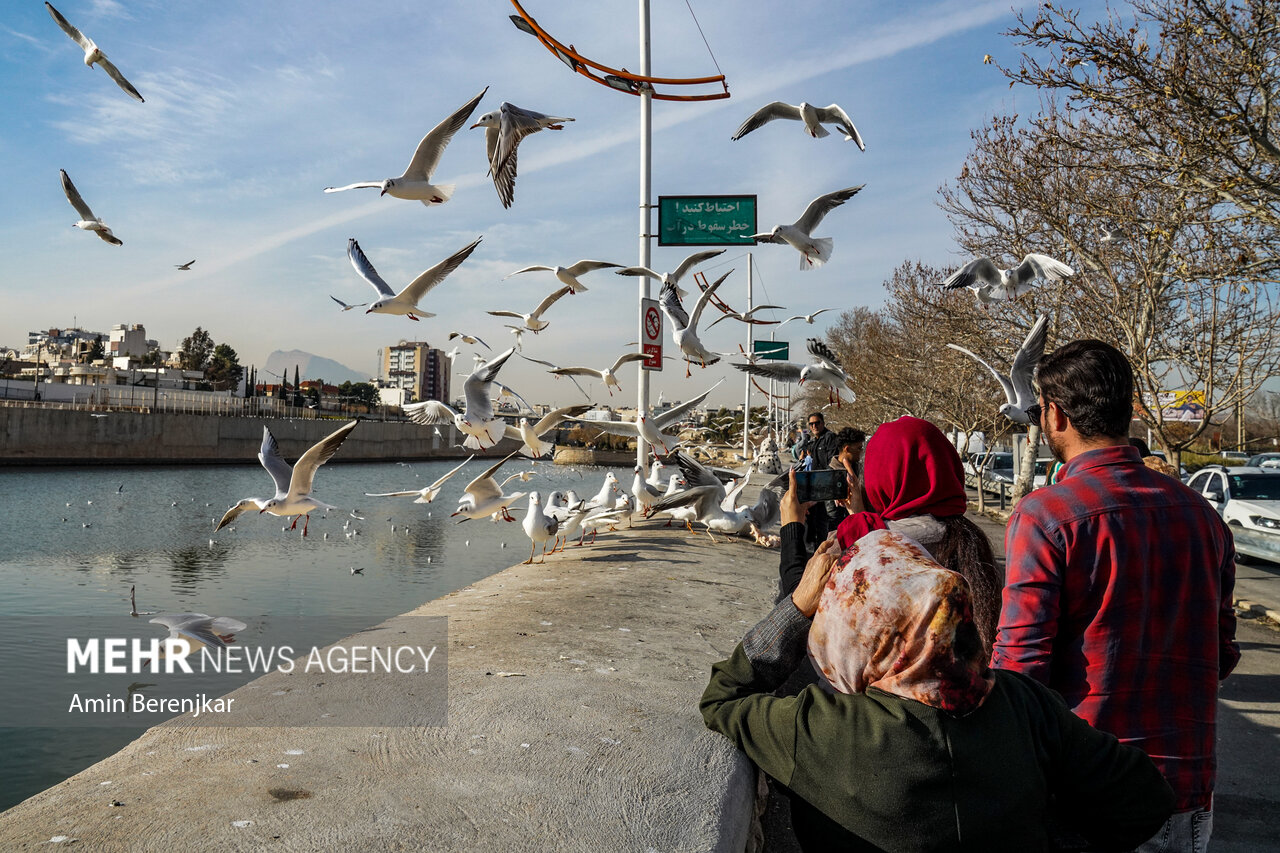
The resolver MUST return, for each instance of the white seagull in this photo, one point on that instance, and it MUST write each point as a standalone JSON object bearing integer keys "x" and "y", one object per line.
{"x": 406, "y": 301}
{"x": 825, "y": 369}
{"x": 344, "y": 306}
{"x": 425, "y": 495}
{"x": 679, "y": 273}
{"x": 531, "y": 434}
{"x": 470, "y": 340}
{"x": 990, "y": 283}
{"x": 538, "y": 527}
{"x": 813, "y": 118}
{"x": 608, "y": 375}
{"x": 808, "y": 318}
{"x": 568, "y": 275}
{"x": 705, "y": 497}
{"x": 92, "y": 53}
{"x": 504, "y": 128}
{"x": 477, "y": 419}
{"x": 684, "y": 327}
{"x": 187, "y": 265}
{"x": 88, "y": 222}
{"x": 415, "y": 184}
{"x": 293, "y": 484}
{"x": 814, "y": 251}
{"x": 533, "y": 321}
{"x": 652, "y": 428}
{"x": 1019, "y": 391}
{"x": 747, "y": 316}
{"x": 483, "y": 496}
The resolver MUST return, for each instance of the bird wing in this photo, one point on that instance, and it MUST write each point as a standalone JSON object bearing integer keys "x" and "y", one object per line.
{"x": 626, "y": 358}
{"x": 669, "y": 300}
{"x": 438, "y": 483}
{"x": 696, "y": 474}
{"x": 269, "y": 455}
{"x": 782, "y": 371}
{"x": 73, "y": 194}
{"x": 476, "y": 388}
{"x": 586, "y": 266}
{"x": 1004, "y": 382}
{"x": 698, "y": 497}
{"x": 514, "y": 125}
{"x": 199, "y": 627}
{"x": 766, "y": 508}
{"x": 692, "y": 261}
{"x": 637, "y": 271}
{"x": 1035, "y": 266}
{"x": 344, "y": 305}
{"x": 756, "y": 308}
{"x": 365, "y": 269}
{"x": 627, "y": 428}
{"x": 533, "y": 268}
{"x": 394, "y": 494}
{"x": 508, "y": 391}
{"x": 822, "y": 205}
{"x": 837, "y": 116}
{"x": 114, "y": 74}
{"x": 1025, "y": 361}
{"x": 549, "y": 301}
{"x": 675, "y": 413}
{"x": 304, "y": 470}
{"x": 484, "y": 487}
{"x": 704, "y": 298}
{"x": 234, "y": 512}
{"x": 430, "y": 412}
{"x": 504, "y": 179}
{"x": 419, "y": 287}
{"x": 558, "y": 416}
{"x": 76, "y": 35}
{"x": 766, "y": 114}
{"x": 427, "y": 155}
{"x": 355, "y": 186}
{"x": 768, "y": 237}
{"x": 578, "y": 371}
{"x": 823, "y": 353}
{"x": 506, "y": 314}
{"x": 978, "y": 270}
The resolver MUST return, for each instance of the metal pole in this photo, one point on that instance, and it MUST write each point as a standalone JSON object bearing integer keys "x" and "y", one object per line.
{"x": 646, "y": 176}
{"x": 746, "y": 399}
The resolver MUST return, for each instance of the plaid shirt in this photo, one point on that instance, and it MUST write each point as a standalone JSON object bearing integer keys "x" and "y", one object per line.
{"x": 1117, "y": 594}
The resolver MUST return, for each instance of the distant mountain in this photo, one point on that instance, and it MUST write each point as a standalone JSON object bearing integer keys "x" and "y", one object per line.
{"x": 310, "y": 366}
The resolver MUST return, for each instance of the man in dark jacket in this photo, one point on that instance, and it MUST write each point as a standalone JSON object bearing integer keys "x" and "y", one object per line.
{"x": 819, "y": 446}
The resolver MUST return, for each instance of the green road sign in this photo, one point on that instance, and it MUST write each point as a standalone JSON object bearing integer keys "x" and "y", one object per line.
{"x": 771, "y": 350}
{"x": 706, "y": 220}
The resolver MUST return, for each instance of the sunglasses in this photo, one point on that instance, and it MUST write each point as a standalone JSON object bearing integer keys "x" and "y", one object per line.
{"x": 815, "y": 423}
{"x": 1035, "y": 410}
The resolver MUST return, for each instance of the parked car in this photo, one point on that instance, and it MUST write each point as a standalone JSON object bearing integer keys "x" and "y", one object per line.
{"x": 1264, "y": 460}
{"x": 1235, "y": 456}
{"x": 997, "y": 466}
{"x": 1249, "y": 500}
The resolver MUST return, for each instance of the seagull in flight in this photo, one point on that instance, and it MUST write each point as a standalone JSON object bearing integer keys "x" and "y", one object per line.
{"x": 470, "y": 340}
{"x": 813, "y": 118}
{"x": 504, "y": 128}
{"x": 406, "y": 301}
{"x": 990, "y": 283}
{"x": 483, "y": 496}
{"x": 679, "y": 273}
{"x": 425, "y": 495}
{"x": 531, "y": 434}
{"x": 293, "y": 483}
{"x": 200, "y": 629}
{"x": 477, "y": 419}
{"x": 344, "y": 306}
{"x": 814, "y": 251}
{"x": 568, "y": 275}
{"x": 747, "y": 316}
{"x": 1019, "y": 391}
{"x": 1113, "y": 236}
{"x": 88, "y": 222}
{"x": 684, "y": 327}
{"x": 415, "y": 184}
{"x": 185, "y": 266}
{"x": 652, "y": 428}
{"x": 92, "y": 53}
{"x": 533, "y": 321}
{"x": 808, "y": 318}
{"x": 825, "y": 370}
{"x": 608, "y": 375}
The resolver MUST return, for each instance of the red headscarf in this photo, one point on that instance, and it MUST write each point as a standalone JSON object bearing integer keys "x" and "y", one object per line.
{"x": 911, "y": 469}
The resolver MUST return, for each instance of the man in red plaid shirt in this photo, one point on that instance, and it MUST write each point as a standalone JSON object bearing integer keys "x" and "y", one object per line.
{"x": 1118, "y": 586}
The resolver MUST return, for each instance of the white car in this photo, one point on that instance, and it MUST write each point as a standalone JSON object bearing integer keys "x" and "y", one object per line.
{"x": 997, "y": 466}
{"x": 1249, "y": 500}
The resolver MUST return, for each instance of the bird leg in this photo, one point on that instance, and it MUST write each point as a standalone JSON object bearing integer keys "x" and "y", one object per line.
{"x": 413, "y": 318}
{"x": 305, "y": 524}
{"x": 688, "y": 368}
{"x": 532, "y": 546}
{"x": 295, "y": 522}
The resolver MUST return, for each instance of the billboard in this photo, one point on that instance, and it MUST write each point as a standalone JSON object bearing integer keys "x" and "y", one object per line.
{"x": 706, "y": 220}
{"x": 1183, "y": 406}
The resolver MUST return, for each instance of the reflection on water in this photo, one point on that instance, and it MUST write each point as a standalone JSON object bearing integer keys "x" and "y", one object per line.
{"x": 74, "y": 542}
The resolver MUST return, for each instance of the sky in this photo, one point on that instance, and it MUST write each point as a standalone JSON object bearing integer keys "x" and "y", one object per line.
{"x": 253, "y": 108}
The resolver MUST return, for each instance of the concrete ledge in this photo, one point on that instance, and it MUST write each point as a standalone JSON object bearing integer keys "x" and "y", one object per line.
{"x": 597, "y": 746}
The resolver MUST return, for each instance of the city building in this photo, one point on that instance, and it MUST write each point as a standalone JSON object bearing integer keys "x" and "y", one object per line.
{"x": 418, "y": 369}
{"x": 129, "y": 341}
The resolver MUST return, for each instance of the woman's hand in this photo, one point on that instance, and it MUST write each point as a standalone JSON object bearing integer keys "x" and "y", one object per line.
{"x": 791, "y": 508}
{"x": 853, "y": 501}
{"x": 816, "y": 574}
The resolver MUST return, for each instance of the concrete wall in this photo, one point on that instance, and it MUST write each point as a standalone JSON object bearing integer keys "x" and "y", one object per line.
{"x": 40, "y": 436}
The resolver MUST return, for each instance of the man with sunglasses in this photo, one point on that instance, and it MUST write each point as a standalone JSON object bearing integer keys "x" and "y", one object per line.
{"x": 1118, "y": 585}
{"x": 819, "y": 446}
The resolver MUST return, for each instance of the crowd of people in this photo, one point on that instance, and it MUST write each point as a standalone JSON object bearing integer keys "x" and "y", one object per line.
{"x": 906, "y": 696}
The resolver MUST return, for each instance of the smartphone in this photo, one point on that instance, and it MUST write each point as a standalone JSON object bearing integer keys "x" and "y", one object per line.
{"x": 824, "y": 485}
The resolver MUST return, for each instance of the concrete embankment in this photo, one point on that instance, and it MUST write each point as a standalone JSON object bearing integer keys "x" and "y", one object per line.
{"x": 45, "y": 436}
{"x": 572, "y": 725}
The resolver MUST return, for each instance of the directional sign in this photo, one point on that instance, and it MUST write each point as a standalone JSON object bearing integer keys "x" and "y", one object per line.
{"x": 651, "y": 334}
{"x": 771, "y": 350}
{"x": 706, "y": 220}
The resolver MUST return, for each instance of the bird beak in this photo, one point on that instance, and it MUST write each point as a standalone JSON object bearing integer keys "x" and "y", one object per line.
{"x": 261, "y": 511}
{"x": 474, "y": 126}
{"x": 368, "y": 311}
{"x": 384, "y": 192}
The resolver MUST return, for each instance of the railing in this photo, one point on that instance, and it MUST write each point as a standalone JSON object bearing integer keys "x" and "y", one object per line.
{"x": 1003, "y": 490}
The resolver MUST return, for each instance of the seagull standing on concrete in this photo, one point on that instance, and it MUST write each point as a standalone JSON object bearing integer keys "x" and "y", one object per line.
{"x": 674, "y": 277}
{"x": 814, "y": 251}
{"x": 88, "y": 222}
{"x": 813, "y": 118}
{"x": 92, "y": 53}
{"x": 425, "y": 495}
{"x": 477, "y": 419}
{"x": 504, "y": 128}
{"x": 406, "y": 301}
{"x": 1019, "y": 390}
{"x": 705, "y": 496}
{"x": 990, "y": 283}
{"x": 293, "y": 484}
{"x": 568, "y": 275}
{"x": 415, "y": 184}
{"x": 538, "y": 527}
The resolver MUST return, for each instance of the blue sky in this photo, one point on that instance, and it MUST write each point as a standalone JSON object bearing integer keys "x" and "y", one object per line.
{"x": 253, "y": 108}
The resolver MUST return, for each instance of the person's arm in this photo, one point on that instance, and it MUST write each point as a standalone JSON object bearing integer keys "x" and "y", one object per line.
{"x": 1031, "y": 601}
{"x": 1228, "y": 648}
{"x": 793, "y": 555}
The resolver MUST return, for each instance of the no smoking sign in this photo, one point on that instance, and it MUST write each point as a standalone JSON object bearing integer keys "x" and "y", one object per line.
{"x": 651, "y": 334}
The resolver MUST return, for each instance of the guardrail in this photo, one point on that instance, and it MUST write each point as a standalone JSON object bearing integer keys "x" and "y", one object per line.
{"x": 1002, "y": 490}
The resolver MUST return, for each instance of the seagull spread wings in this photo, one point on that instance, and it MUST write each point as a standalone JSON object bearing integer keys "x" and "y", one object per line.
{"x": 200, "y": 627}
{"x": 365, "y": 269}
{"x": 984, "y": 271}
{"x": 86, "y": 215}
{"x": 1019, "y": 390}
{"x": 485, "y": 487}
{"x": 625, "y": 358}
{"x": 426, "y": 157}
{"x": 822, "y": 205}
{"x": 476, "y": 388}
{"x": 823, "y": 354}
{"x": 832, "y": 114}
{"x": 92, "y": 53}
{"x": 297, "y": 480}
{"x": 782, "y": 371}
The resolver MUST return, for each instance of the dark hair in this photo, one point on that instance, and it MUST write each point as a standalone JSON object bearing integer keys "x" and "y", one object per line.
{"x": 1092, "y": 383}
{"x": 818, "y": 415}
{"x": 1143, "y": 450}
{"x": 965, "y": 549}
{"x": 847, "y": 436}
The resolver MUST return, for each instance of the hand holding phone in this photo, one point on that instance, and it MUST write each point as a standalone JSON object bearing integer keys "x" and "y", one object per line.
{"x": 822, "y": 485}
